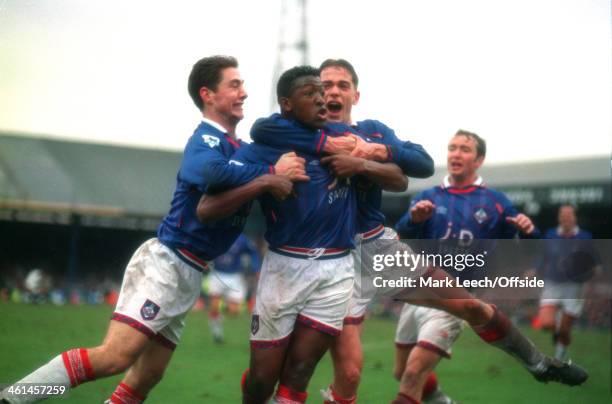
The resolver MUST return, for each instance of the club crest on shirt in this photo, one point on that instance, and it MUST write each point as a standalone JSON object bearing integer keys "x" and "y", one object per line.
{"x": 149, "y": 310}
{"x": 212, "y": 141}
{"x": 441, "y": 210}
{"x": 481, "y": 216}
{"x": 255, "y": 324}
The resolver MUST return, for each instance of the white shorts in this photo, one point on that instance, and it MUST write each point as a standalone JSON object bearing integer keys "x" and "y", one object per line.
{"x": 364, "y": 291}
{"x": 431, "y": 329}
{"x": 314, "y": 292}
{"x": 230, "y": 286}
{"x": 567, "y": 295}
{"x": 158, "y": 290}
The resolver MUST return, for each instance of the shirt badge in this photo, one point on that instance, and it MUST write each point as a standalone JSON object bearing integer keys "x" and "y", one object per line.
{"x": 211, "y": 141}
{"x": 441, "y": 210}
{"x": 481, "y": 216}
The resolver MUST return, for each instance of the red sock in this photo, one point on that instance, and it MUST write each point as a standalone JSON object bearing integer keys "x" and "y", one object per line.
{"x": 285, "y": 395}
{"x": 337, "y": 399}
{"x": 431, "y": 385}
{"x": 495, "y": 329}
{"x": 124, "y": 394}
{"x": 78, "y": 366}
{"x": 402, "y": 398}
{"x": 244, "y": 380}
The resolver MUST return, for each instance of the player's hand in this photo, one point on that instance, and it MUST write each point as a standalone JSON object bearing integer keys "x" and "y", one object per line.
{"x": 339, "y": 144}
{"x": 369, "y": 151}
{"x": 292, "y": 167}
{"x": 279, "y": 186}
{"x": 522, "y": 222}
{"x": 422, "y": 210}
{"x": 344, "y": 166}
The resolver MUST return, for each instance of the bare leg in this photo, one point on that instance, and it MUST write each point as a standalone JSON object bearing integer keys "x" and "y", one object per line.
{"x": 347, "y": 357}
{"x": 306, "y": 349}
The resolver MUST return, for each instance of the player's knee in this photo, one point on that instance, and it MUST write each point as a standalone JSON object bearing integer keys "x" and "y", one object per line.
{"x": 117, "y": 361}
{"x": 351, "y": 374}
{"x": 413, "y": 375}
{"x": 547, "y": 324}
{"x": 299, "y": 372}
{"x": 260, "y": 384}
{"x": 474, "y": 311}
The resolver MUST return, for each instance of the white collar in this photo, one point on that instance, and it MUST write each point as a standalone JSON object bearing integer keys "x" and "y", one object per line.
{"x": 446, "y": 182}
{"x": 573, "y": 232}
{"x": 215, "y": 125}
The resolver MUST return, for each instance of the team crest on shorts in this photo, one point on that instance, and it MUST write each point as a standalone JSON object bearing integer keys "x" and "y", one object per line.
{"x": 255, "y": 324}
{"x": 149, "y": 310}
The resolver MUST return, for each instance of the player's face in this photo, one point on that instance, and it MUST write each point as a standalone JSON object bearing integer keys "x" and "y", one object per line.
{"x": 340, "y": 93}
{"x": 567, "y": 217}
{"x": 306, "y": 102}
{"x": 229, "y": 97}
{"x": 461, "y": 158}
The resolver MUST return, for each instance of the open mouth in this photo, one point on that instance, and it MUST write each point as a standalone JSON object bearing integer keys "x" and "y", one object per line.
{"x": 334, "y": 106}
{"x": 454, "y": 165}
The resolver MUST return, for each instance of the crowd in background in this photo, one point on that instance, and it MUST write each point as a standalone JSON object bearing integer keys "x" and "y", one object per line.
{"x": 19, "y": 284}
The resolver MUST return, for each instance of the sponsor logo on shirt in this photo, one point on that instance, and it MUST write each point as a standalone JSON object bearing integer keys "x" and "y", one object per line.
{"x": 211, "y": 141}
{"x": 337, "y": 193}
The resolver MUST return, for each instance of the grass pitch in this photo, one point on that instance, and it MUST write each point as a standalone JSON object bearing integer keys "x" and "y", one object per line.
{"x": 202, "y": 372}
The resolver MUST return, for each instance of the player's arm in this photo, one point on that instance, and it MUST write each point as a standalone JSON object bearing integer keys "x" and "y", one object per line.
{"x": 410, "y": 157}
{"x": 412, "y": 224}
{"x": 289, "y": 167}
{"x": 212, "y": 208}
{"x": 387, "y": 175}
{"x": 283, "y": 135}
{"x": 207, "y": 168}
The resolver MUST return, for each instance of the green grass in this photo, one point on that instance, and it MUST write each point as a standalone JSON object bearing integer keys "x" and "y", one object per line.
{"x": 206, "y": 373}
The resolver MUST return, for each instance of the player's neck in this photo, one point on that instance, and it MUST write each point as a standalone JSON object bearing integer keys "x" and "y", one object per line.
{"x": 228, "y": 125}
{"x": 567, "y": 230}
{"x": 462, "y": 182}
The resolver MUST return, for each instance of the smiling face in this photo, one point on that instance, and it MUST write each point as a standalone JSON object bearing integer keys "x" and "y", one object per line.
{"x": 340, "y": 93}
{"x": 567, "y": 218}
{"x": 306, "y": 103}
{"x": 462, "y": 159}
{"x": 225, "y": 103}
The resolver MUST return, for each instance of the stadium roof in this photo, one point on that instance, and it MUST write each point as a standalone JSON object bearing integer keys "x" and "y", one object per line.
{"x": 42, "y": 174}
{"x": 54, "y": 175}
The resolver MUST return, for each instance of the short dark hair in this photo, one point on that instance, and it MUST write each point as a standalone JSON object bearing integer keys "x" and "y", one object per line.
{"x": 568, "y": 205}
{"x": 481, "y": 144}
{"x": 207, "y": 73}
{"x": 286, "y": 82}
{"x": 345, "y": 64}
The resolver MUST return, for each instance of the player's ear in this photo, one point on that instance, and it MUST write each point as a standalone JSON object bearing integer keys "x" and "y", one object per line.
{"x": 285, "y": 104}
{"x": 206, "y": 95}
{"x": 356, "y": 99}
{"x": 479, "y": 161}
